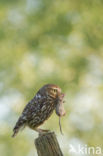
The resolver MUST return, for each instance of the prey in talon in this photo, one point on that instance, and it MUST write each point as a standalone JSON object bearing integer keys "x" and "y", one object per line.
{"x": 60, "y": 111}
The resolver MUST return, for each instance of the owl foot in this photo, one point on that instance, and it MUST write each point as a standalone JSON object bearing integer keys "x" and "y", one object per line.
{"x": 42, "y": 131}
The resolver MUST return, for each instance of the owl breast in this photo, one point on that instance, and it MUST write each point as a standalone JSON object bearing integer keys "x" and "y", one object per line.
{"x": 41, "y": 111}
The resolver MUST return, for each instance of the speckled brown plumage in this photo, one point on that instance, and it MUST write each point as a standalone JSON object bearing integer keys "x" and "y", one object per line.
{"x": 39, "y": 108}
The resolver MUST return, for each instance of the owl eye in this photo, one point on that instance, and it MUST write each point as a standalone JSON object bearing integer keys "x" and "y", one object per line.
{"x": 54, "y": 90}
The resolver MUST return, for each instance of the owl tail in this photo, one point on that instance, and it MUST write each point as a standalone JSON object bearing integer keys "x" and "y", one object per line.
{"x": 15, "y": 131}
{"x": 19, "y": 126}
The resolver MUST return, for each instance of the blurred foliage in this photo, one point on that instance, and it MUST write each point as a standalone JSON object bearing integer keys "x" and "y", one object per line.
{"x": 60, "y": 42}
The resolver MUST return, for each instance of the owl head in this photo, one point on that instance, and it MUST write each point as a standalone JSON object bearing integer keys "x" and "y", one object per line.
{"x": 52, "y": 90}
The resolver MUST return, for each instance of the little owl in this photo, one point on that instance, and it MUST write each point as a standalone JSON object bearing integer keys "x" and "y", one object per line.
{"x": 39, "y": 108}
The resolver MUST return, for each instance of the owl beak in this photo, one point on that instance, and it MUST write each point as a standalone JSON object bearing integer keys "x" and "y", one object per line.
{"x": 62, "y": 94}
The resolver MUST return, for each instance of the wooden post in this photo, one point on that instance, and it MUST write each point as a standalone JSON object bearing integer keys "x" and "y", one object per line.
{"x": 47, "y": 145}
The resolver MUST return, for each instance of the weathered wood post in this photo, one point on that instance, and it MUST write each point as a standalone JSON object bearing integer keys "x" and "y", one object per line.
{"x": 47, "y": 145}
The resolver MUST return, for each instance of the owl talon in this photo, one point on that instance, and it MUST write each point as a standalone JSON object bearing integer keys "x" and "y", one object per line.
{"x": 42, "y": 131}
{"x": 45, "y": 130}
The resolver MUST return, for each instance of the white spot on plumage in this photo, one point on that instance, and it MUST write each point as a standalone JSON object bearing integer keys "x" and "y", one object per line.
{"x": 38, "y": 96}
{"x": 24, "y": 117}
{"x": 43, "y": 108}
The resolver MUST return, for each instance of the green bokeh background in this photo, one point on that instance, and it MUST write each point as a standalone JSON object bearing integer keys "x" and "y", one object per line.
{"x": 59, "y": 42}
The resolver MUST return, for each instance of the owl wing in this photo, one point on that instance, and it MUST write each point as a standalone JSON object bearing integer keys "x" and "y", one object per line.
{"x": 34, "y": 107}
{"x": 24, "y": 117}
{"x": 31, "y": 109}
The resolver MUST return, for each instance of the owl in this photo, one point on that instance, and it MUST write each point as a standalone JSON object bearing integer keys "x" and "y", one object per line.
{"x": 40, "y": 108}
